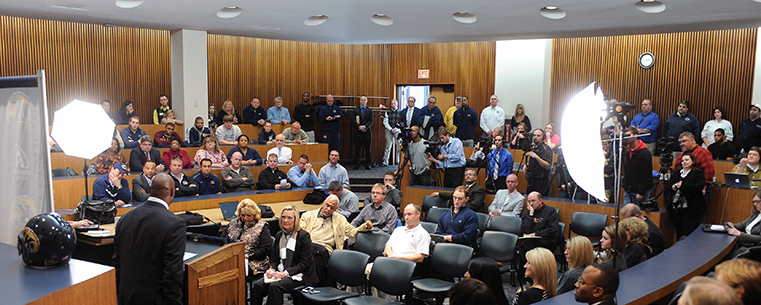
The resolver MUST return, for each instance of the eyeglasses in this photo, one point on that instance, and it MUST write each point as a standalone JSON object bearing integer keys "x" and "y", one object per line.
{"x": 582, "y": 282}
{"x": 377, "y": 193}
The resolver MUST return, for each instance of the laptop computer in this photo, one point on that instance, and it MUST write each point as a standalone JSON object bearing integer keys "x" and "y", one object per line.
{"x": 228, "y": 209}
{"x": 736, "y": 180}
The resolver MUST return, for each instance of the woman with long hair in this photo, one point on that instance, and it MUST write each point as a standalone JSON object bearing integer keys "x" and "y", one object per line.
{"x": 105, "y": 161}
{"x": 613, "y": 252}
{"x": 579, "y": 254}
{"x": 126, "y": 111}
{"x": 687, "y": 202}
{"x": 471, "y": 291}
{"x": 519, "y": 117}
{"x": 542, "y": 269}
{"x": 551, "y": 138}
{"x": 486, "y": 270}
{"x": 248, "y": 227}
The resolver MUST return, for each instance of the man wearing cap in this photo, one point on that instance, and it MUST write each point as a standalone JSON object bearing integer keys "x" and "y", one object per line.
{"x": 682, "y": 120}
{"x": 749, "y": 133}
{"x": 113, "y": 186}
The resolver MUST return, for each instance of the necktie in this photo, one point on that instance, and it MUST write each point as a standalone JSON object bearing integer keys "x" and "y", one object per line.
{"x": 496, "y": 167}
{"x": 279, "y": 152}
{"x": 147, "y": 156}
{"x": 409, "y": 117}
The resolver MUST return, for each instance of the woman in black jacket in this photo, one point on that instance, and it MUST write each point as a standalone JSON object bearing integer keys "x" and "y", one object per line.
{"x": 687, "y": 202}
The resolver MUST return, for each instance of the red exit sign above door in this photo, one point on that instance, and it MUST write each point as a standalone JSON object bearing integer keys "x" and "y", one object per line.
{"x": 424, "y": 74}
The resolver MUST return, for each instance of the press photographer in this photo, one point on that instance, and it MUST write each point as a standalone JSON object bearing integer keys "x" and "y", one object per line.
{"x": 451, "y": 158}
{"x": 413, "y": 149}
{"x": 539, "y": 158}
{"x": 520, "y": 139}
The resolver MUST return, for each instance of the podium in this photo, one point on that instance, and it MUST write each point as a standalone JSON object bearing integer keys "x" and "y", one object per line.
{"x": 216, "y": 275}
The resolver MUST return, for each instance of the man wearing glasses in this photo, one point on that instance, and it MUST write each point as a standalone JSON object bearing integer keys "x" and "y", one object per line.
{"x": 381, "y": 213}
{"x": 507, "y": 202}
{"x": 597, "y": 285}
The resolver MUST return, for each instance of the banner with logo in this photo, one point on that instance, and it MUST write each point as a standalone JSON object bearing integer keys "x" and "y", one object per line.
{"x": 26, "y": 186}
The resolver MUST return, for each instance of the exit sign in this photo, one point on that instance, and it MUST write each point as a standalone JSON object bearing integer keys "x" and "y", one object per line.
{"x": 423, "y": 74}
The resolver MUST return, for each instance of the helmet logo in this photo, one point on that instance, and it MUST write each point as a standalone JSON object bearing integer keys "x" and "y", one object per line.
{"x": 31, "y": 242}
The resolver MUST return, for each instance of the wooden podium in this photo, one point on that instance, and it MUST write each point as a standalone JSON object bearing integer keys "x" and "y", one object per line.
{"x": 217, "y": 276}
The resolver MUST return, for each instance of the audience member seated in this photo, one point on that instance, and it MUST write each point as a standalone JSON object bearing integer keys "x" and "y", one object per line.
{"x": 255, "y": 114}
{"x": 471, "y": 292}
{"x": 542, "y": 269}
{"x": 411, "y": 241}
{"x": 750, "y": 229}
{"x": 249, "y": 227}
{"x": 654, "y": 234}
{"x": 333, "y": 171}
{"x": 328, "y": 230}
{"x": 266, "y": 135}
{"x": 291, "y": 261}
{"x": 749, "y": 165}
{"x": 212, "y": 117}
{"x": 141, "y": 185}
{"x": 278, "y": 114}
{"x": 163, "y": 138}
{"x": 637, "y": 250}
{"x": 143, "y": 153}
{"x": 113, "y": 186}
{"x": 106, "y": 160}
{"x": 393, "y": 194}
{"x": 606, "y": 244}
{"x": 703, "y": 290}
{"x": 228, "y": 109}
{"x": 597, "y": 285}
{"x": 283, "y": 153}
{"x": 459, "y": 224}
{"x": 295, "y": 135}
{"x": 538, "y": 220}
{"x": 579, "y": 254}
{"x": 236, "y": 178}
{"x": 507, "y": 202}
{"x": 451, "y": 159}
{"x": 131, "y": 134}
{"x": 250, "y": 156}
{"x": 721, "y": 149}
{"x": 349, "y": 202}
{"x": 486, "y": 270}
{"x": 228, "y": 133}
{"x": 126, "y": 111}
{"x": 208, "y": 183}
{"x": 474, "y": 192}
{"x": 171, "y": 117}
{"x": 520, "y": 139}
{"x": 174, "y": 151}
{"x": 551, "y": 138}
{"x": 272, "y": 177}
{"x": 197, "y": 132}
{"x": 210, "y": 150}
{"x": 744, "y": 276}
{"x": 381, "y": 213}
{"x": 184, "y": 186}
{"x": 303, "y": 174}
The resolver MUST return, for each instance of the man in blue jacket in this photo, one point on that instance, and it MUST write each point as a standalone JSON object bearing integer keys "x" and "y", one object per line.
{"x": 430, "y": 119}
{"x": 459, "y": 224}
{"x": 466, "y": 120}
{"x": 113, "y": 186}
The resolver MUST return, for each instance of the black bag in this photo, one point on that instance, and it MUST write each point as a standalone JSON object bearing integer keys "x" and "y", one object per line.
{"x": 97, "y": 211}
{"x": 191, "y": 218}
{"x": 315, "y": 197}
{"x": 266, "y": 211}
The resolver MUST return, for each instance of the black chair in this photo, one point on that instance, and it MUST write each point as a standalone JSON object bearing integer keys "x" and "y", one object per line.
{"x": 509, "y": 224}
{"x": 501, "y": 247}
{"x": 450, "y": 260}
{"x": 352, "y": 215}
{"x": 588, "y": 224}
{"x": 346, "y": 267}
{"x": 63, "y": 172}
{"x": 274, "y": 225}
{"x": 430, "y": 202}
{"x": 560, "y": 249}
{"x": 483, "y": 221}
{"x": 211, "y": 229}
{"x": 429, "y": 226}
{"x": 434, "y": 213}
{"x": 752, "y": 253}
{"x": 371, "y": 243}
{"x": 391, "y": 276}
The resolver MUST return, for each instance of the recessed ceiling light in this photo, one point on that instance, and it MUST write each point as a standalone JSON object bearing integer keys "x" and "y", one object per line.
{"x": 229, "y": 12}
{"x": 464, "y": 17}
{"x": 128, "y": 3}
{"x": 552, "y": 12}
{"x": 382, "y": 19}
{"x": 650, "y": 6}
{"x": 315, "y": 20}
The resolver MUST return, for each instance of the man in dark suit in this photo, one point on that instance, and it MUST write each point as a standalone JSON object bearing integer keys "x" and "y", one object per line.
{"x": 410, "y": 119}
{"x": 143, "y": 153}
{"x": 474, "y": 192}
{"x": 148, "y": 250}
{"x": 597, "y": 285}
{"x": 363, "y": 135}
{"x": 141, "y": 185}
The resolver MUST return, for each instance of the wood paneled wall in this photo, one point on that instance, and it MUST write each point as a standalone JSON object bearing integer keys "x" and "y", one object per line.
{"x": 706, "y": 68}
{"x": 89, "y": 62}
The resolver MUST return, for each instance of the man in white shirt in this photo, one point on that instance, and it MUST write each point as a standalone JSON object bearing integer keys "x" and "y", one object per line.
{"x": 283, "y": 153}
{"x": 492, "y": 116}
{"x": 508, "y": 202}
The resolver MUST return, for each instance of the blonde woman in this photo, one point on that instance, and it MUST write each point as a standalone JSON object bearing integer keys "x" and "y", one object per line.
{"x": 228, "y": 108}
{"x": 171, "y": 117}
{"x": 637, "y": 250}
{"x": 579, "y": 254}
{"x": 541, "y": 267}
{"x": 248, "y": 227}
{"x": 519, "y": 117}
{"x": 210, "y": 149}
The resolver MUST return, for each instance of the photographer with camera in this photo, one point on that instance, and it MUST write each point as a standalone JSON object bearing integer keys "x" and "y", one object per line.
{"x": 539, "y": 159}
{"x": 520, "y": 140}
{"x": 500, "y": 163}
{"x": 638, "y": 169}
{"x": 451, "y": 158}
{"x": 420, "y": 173}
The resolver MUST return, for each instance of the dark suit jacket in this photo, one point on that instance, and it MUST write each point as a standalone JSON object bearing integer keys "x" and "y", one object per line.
{"x": 365, "y": 119}
{"x": 415, "y": 114}
{"x": 137, "y": 159}
{"x": 139, "y": 183}
{"x": 477, "y": 195}
{"x": 303, "y": 258}
{"x": 148, "y": 249}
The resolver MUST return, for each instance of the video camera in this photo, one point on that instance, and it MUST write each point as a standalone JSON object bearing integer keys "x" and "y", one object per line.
{"x": 667, "y": 145}
{"x": 432, "y": 147}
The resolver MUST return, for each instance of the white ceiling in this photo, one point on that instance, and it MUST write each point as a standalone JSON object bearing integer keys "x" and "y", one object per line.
{"x": 415, "y": 21}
